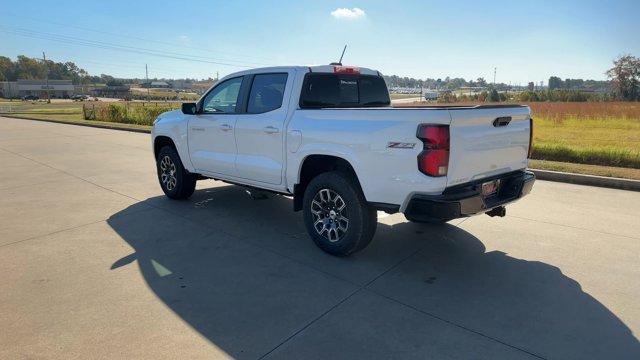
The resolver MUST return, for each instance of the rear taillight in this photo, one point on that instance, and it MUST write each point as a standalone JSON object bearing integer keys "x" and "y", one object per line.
{"x": 529, "y": 153}
{"x": 434, "y": 159}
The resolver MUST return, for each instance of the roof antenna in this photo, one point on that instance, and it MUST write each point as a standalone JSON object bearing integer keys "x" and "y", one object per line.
{"x": 341, "y": 56}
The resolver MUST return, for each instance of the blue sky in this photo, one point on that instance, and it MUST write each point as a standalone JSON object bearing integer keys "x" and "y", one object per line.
{"x": 525, "y": 40}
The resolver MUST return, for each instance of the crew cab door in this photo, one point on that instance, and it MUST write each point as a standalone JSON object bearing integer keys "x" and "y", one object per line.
{"x": 260, "y": 130}
{"x": 212, "y": 144}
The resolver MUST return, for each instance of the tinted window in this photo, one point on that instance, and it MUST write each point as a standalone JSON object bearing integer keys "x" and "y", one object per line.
{"x": 373, "y": 91}
{"x": 330, "y": 90}
{"x": 224, "y": 97}
{"x": 266, "y": 93}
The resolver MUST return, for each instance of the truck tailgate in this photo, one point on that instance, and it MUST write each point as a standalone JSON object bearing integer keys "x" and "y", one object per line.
{"x": 487, "y": 141}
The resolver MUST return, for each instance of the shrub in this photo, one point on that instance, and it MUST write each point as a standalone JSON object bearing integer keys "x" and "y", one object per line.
{"x": 129, "y": 113}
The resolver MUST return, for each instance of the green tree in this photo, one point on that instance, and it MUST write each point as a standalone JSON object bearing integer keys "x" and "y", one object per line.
{"x": 493, "y": 96}
{"x": 28, "y": 68}
{"x": 7, "y": 69}
{"x": 625, "y": 77}
{"x": 555, "y": 83}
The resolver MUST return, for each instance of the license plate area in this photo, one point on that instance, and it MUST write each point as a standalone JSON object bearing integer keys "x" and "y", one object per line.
{"x": 490, "y": 188}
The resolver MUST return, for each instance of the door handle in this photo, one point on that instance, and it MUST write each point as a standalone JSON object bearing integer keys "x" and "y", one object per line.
{"x": 271, "y": 130}
{"x": 225, "y": 127}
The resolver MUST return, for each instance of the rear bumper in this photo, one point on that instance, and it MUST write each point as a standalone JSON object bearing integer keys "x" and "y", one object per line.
{"x": 466, "y": 200}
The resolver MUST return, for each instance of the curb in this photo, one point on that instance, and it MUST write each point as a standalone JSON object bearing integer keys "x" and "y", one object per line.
{"x": 591, "y": 180}
{"x": 96, "y": 125}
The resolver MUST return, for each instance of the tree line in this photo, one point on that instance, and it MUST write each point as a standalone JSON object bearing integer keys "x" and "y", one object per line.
{"x": 578, "y": 84}
{"x": 440, "y": 84}
{"x": 623, "y": 84}
{"x": 29, "y": 68}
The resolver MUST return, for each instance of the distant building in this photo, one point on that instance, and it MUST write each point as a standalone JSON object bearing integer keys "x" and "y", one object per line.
{"x": 182, "y": 84}
{"x": 8, "y": 89}
{"x": 120, "y": 92}
{"x": 156, "y": 85}
{"x": 38, "y": 87}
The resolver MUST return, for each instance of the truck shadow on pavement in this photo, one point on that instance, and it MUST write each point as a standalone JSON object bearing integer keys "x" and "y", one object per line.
{"x": 244, "y": 274}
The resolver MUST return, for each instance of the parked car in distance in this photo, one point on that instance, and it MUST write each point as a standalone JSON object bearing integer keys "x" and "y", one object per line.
{"x": 79, "y": 97}
{"x": 30, "y": 98}
{"x": 328, "y": 137}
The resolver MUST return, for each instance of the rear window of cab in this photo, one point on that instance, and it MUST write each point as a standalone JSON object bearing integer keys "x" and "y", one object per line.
{"x": 325, "y": 90}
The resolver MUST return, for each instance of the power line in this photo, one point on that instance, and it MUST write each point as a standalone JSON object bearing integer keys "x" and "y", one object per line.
{"x": 140, "y": 38}
{"x": 81, "y": 41}
{"x": 131, "y": 65}
{"x": 112, "y": 46}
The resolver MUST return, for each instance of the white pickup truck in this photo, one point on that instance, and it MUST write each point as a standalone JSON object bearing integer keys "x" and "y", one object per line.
{"x": 328, "y": 137}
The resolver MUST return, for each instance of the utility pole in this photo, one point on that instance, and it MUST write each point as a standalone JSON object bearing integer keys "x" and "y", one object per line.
{"x": 46, "y": 72}
{"x": 146, "y": 72}
{"x": 494, "y": 75}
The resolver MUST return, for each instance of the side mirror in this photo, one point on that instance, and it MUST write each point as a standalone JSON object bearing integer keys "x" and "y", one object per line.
{"x": 189, "y": 108}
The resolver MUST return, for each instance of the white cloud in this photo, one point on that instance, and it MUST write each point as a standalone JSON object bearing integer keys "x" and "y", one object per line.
{"x": 348, "y": 14}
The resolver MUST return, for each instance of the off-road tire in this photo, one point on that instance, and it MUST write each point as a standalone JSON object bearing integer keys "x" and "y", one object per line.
{"x": 362, "y": 218}
{"x": 176, "y": 182}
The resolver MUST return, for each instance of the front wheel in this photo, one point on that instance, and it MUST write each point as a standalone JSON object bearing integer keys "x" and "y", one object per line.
{"x": 176, "y": 182}
{"x": 336, "y": 214}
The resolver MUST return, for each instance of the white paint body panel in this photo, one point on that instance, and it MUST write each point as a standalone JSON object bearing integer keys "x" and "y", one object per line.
{"x": 212, "y": 143}
{"x": 360, "y": 136}
{"x": 479, "y": 149}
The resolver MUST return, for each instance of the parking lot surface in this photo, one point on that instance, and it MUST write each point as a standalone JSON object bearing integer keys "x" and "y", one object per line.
{"x": 97, "y": 263}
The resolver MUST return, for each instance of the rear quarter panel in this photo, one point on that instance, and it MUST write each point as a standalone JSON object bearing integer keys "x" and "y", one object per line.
{"x": 362, "y": 137}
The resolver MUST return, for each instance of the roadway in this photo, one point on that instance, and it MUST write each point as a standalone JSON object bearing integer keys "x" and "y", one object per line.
{"x": 97, "y": 263}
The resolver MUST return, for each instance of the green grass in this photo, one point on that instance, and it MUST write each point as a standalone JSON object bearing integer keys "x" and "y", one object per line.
{"x": 625, "y": 173}
{"x": 42, "y": 110}
{"x": 74, "y": 121}
{"x": 140, "y": 113}
{"x": 595, "y": 141}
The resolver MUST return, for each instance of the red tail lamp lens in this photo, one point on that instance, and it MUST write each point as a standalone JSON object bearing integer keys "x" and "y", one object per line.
{"x": 434, "y": 159}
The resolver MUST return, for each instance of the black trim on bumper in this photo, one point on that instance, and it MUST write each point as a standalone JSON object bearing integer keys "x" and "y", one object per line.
{"x": 466, "y": 199}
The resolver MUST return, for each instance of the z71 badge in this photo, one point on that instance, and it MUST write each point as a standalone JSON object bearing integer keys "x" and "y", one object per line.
{"x": 400, "y": 145}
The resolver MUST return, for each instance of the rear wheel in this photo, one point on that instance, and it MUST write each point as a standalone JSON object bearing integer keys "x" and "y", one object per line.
{"x": 336, "y": 214}
{"x": 176, "y": 182}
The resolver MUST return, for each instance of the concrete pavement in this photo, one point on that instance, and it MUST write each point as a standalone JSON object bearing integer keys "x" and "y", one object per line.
{"x": 97, "y": 263}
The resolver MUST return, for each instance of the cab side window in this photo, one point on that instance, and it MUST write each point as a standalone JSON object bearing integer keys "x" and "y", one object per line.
{"x": 223, "y": 98}
{"x": 266, "y": 93}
